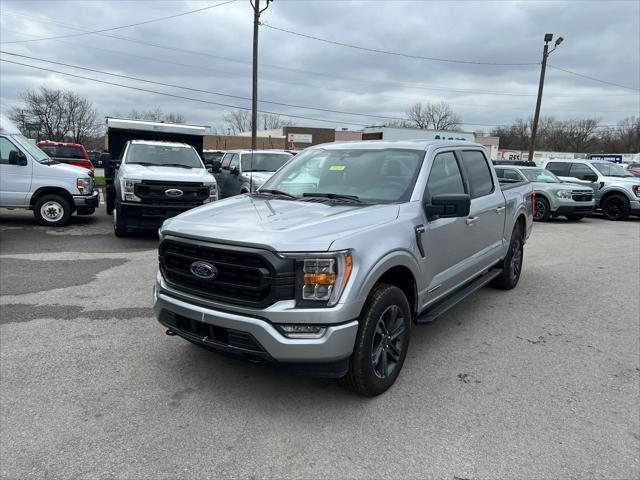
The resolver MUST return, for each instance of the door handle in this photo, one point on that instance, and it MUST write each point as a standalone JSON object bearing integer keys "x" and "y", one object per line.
{"x": 419, "y": 230}
{"x": 471, "y": 220}
{"x": 499, "y": 210}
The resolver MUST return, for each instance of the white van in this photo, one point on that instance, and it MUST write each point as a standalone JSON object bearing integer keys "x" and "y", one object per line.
{"x": 30, "y": 179}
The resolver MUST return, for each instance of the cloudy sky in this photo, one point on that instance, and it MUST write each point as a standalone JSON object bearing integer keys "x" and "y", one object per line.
{"x": 210, "y": 51}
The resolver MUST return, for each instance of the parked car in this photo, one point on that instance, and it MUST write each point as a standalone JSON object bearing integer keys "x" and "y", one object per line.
{"x": 553, "y": 196}
{"x": 71, "y": 153}
{"x": 633, "y": 168}
{"x": 243, "y": 171}
{"x": 327, "y": 267}
{"x": 94, "y": 156}
{"x": 157, "y": 180}
{"x": 30, "y": 179}
{"x": 617, "y": 192}
{"x": 212, "y": 159}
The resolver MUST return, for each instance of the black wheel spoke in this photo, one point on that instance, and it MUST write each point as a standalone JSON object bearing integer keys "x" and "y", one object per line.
{"x": 399, "y": 330}
{"x": 384, "y": 365}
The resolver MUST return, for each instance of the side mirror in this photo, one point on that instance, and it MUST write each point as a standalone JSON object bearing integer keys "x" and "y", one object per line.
{"x": 448, "y": 206}
{"x": 234, "y": 170}
{"x": 590, "y": 177}
{"x": 16, "y": 157}
{"x": 215, "y": 167}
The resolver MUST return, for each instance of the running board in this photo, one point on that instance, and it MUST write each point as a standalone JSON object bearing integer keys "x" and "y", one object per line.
{"x": 452, "y": 300}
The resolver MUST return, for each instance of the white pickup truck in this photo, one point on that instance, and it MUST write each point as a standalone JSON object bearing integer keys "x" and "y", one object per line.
{"x": 31, "y": 180}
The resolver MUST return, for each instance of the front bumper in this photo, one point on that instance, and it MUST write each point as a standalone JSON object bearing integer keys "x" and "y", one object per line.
{"x": 89, "y": 201}
{"x": 574, "y": 210}
{"x": 634, "y": 207}
{"x": 251, "y": 335}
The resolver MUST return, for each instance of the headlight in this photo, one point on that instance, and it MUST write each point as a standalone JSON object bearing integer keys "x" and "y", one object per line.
{"x": 128, "y": 187}
{"x": 213, "y": 193}
{"x": 636, "y": 190}
{"x": 321, "y": 277}
{"x": 566, "y": 194}
{"x": 85, "y": 185}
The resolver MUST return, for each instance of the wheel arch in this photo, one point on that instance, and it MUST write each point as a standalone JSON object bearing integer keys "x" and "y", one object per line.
{"x": 40, "y": 192}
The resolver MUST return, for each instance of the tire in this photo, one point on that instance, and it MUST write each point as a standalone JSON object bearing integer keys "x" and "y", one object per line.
{"x": 386, "y": 314}
{"x": 542, "y": 212}
{"x": 574, "y": 218}
{"x": 511, "y": 266}
{"x": 119, "y": 224}
{"x": 616, "y": 207}
{"x": 110, "y": 193}
{"x": 52, "y": 210}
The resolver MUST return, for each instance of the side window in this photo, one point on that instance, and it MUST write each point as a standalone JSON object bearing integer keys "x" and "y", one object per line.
{"x": 480, "y": 179}
{"x": 226, "y": 160}
{"x": 508, "y": 174}
{"x": 557, "y": 168}
{"x": 445, "y": 176}
{"x": 579, "y": 170}
{"x": 5, "y": 147}
{"x": 235, "y": 162}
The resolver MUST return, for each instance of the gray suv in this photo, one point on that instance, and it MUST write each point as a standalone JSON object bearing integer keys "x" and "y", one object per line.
{"x": 617, "y": 191}
{"x": 553, "y": 196}
{"x": 328, "y": 266}
{"x": 243, "y": 171}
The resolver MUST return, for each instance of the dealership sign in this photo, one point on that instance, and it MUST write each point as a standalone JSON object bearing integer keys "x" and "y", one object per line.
{"x": 607, "y": 158}
{"x": 300, "y": 138}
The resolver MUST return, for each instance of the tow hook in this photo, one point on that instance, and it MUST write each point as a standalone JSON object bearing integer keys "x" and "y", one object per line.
{"x": 171, "y": 333}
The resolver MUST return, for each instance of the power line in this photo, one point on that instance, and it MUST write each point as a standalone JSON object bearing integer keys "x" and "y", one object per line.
{"x": 593, "y": 78}
{"x": 177, "y": 96}
{"x": 123, "y": 26}
{"x": 308, "y": 72}
{"x": 397, "y": 54}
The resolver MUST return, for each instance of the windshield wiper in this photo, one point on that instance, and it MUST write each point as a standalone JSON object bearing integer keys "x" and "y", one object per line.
{"x": 333, "y": 196}
{"x": 144, "y": 164}
{"x": 277, "y": 192}
{"x": 181, "y": 165}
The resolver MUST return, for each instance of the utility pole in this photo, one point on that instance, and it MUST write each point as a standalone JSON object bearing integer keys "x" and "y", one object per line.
{"x": 254, "y": 97}
{"x": 545, "y": 54}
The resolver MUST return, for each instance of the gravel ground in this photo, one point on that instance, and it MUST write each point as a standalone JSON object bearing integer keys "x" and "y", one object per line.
{"x": 539, "y": 382}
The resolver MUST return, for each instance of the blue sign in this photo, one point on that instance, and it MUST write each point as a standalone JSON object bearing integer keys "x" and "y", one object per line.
{"x": 607, "y": 158}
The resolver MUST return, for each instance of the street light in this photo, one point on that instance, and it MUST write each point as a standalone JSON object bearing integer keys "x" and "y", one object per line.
{"x": 548, "y": 37}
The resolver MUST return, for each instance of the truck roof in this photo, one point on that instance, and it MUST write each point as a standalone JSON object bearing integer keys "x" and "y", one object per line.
{"x": 417, "y": 144}
{"x": 248, "y": 150}
{"x": 146, "y": 126}
{"x": 160, "y": 143}
{"x": 7, "y": 126}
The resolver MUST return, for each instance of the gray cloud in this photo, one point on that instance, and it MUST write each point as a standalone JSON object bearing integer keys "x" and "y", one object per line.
{"x": 601, "y": 40}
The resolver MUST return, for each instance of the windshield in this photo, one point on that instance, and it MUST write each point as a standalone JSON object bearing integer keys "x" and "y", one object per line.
{"x": 162, "y": 155}
{"x": 63, "y": 151}
{"x": 370, "y": 175}
{"x": 611, "y": 170}
{"x": 31, "y": 149}
{"x": 540, "y": 175}
{"x": 264, "y": 162}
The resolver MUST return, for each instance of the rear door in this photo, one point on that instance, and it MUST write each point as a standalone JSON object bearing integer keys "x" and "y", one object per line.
{"x": 221, "y": 177}
{"x": 485, "y": 224}
{"x": 233, "y": 177}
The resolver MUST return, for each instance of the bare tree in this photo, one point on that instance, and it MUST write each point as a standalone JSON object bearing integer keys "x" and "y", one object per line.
{"x": 61, "y": 114}
{"x": 435, "y": 116}
{"x": 155, "y": 114}
{"x": 270, "y": 121}
{"x": 238, "y": 121}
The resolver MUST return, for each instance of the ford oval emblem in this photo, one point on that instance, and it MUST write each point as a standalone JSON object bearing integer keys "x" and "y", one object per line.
{"x": 173, "y": 192}
{"x": 203, "y": 270}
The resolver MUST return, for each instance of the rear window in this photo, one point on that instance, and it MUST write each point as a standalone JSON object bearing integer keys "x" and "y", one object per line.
{"x": 63, "y": 151}
{"x": 264, "y": 162}
{"x": 557, "y": 168}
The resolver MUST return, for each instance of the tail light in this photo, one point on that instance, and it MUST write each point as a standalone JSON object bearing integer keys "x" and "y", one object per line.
{"x": 533, "y": 203}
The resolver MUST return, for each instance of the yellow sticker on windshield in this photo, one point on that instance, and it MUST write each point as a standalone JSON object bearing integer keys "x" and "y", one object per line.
{"x": 339, "y": 168}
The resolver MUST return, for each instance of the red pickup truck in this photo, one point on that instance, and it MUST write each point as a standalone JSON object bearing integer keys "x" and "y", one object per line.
{"x": 71, "y": 153}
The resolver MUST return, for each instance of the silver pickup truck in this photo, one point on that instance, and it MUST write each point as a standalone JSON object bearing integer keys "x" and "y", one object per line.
{"x": 328, "y": 266}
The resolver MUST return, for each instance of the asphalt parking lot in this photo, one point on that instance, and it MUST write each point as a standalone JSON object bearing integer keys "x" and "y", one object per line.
{"x": 539, "y": 382}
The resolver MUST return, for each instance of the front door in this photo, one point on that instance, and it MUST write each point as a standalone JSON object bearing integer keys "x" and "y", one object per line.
{"x": 15, "y": 180}
{"x": 444, "y": 240}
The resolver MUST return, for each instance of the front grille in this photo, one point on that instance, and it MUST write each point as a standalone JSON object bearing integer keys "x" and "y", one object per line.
{"x": 213, "y": 334}
{"x": 155, "y": 192}
{"x": 245, "y": 276}
{"x": 584, "y": 196}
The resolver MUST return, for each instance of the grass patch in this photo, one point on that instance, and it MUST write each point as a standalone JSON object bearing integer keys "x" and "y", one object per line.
{"x": 99, "y": 181}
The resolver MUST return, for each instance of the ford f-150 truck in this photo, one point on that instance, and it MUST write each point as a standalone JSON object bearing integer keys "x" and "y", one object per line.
{"x": 328, "y": 266}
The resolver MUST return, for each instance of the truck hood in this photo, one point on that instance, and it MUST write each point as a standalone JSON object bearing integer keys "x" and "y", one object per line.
{"x": 258, "y": 177}
{"x": 280, "y": 225}
{"x": 176, "y": 174}
{"x": 64, "y": 170}
{"x": 625, "y": 180}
